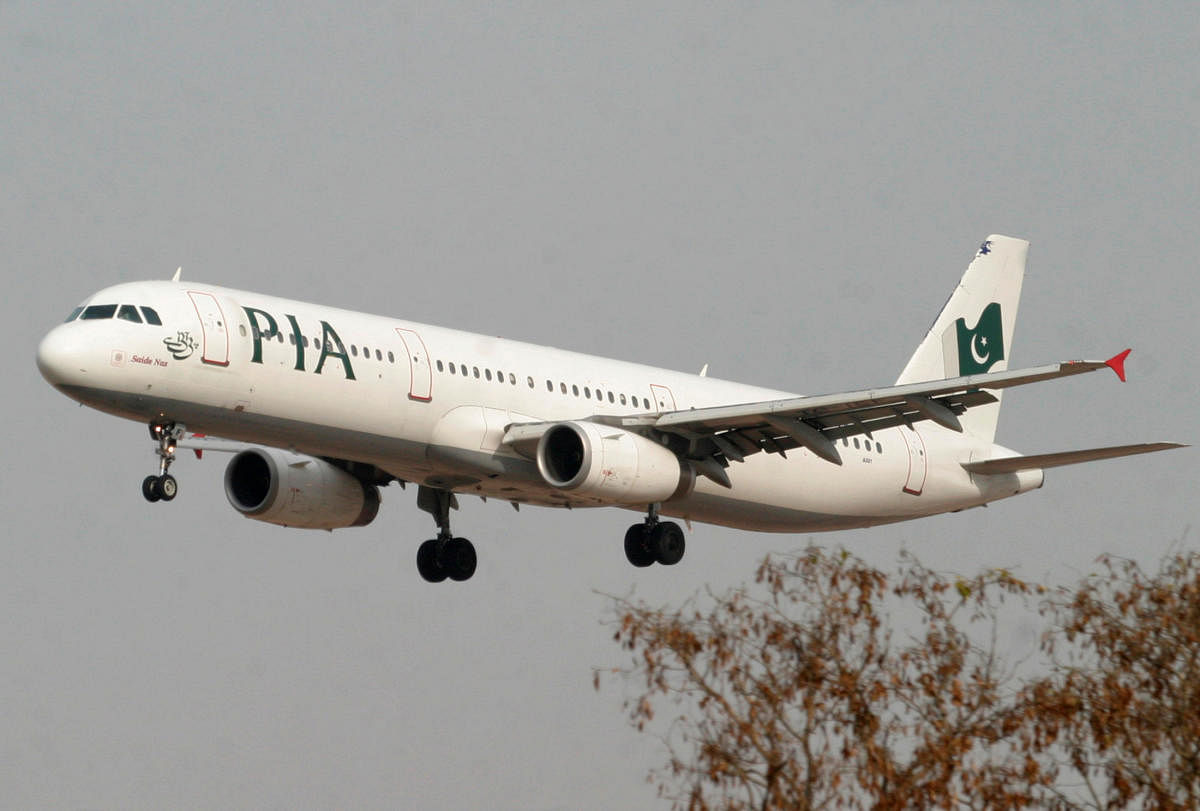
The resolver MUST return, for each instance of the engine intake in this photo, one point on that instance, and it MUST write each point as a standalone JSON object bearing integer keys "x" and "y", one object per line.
{"x": 611, "y": 464}
{"x": 293, "y": 490}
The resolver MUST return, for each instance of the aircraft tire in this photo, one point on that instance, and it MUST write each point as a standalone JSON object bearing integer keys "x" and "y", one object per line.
{"x": 427, "y": 562}
{"x": 458, "y": 559}
{"x": 637, "y": 548}
{"x": 150, "y": 489}
{"x": 168, "y": 488}
{"x": 667, "y": 543}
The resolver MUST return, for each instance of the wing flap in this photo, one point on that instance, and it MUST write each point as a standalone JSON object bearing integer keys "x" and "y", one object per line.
{"x": 1013, "y": 464}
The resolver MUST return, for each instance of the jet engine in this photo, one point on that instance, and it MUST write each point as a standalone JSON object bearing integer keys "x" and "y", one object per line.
{"x": 293, "y": 490}
{"x": 611, "y": 464}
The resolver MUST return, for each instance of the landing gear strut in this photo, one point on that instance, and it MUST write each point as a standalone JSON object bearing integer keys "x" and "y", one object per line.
{"x": 654, "y": 541}
{"x": 443, "y": 556}
{"x": 163, "y": 487}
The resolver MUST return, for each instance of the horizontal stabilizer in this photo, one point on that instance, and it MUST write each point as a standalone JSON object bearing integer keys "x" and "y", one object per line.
{"x": 1012, "y": 464}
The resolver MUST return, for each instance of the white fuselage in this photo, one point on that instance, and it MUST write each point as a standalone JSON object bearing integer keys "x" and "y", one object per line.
{"x": 430, "y": 405}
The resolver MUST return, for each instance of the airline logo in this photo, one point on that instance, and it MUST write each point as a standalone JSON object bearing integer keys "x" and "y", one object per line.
{"x": 982, "y": 347}
{"x": 182, "y": 345}
{"x": 263, "y": 326}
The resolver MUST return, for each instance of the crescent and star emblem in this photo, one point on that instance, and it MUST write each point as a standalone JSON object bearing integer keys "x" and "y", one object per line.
{"x": 979, "y": 350}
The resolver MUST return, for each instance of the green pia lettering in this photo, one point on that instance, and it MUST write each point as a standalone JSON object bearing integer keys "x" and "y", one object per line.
{"x": 263, "y": 325}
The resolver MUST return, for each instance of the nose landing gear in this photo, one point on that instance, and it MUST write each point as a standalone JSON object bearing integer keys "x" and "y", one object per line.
{"x": 163, "y": 487}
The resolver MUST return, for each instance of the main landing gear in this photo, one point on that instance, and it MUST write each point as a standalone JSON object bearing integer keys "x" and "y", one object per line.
{"x": 654, "y": 541}
{"x": 163, "y": 487}
{"x": 443, "y": 556}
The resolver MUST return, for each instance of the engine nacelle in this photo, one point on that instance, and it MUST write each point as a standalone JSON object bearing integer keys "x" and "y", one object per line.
{"x": 611, "y": 464}
{"x": 293, "y": 490}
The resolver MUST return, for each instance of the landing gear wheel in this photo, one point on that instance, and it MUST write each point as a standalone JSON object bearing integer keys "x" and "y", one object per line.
{"x": 457, "y": 558}
{"x": 444, "y": 556}
{"x": 150, "y": 489}
{"x": 667, "y": 544}
{"x": 163, "y": 487}
{"x": 637, "y": 547}
{"x": 427, "y": 562}
{"x": 167, "y": 487}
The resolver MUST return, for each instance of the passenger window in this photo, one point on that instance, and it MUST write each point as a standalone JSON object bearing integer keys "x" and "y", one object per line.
{"x": 151, "y": 316}
{"x": 354, "y": 350}
{"x": 316, "y": 343}
{"x": 563, "y": 386}
{"x": 305, "y": 337}
{"x": 878, "y": 448}
{"x": 622, "y": 399}
{"x": 574, "y": 389}
{"x": 476, "y": 371}
{"x": 242, "y": 330}
{"x": 529, "y": 380}
{"x": 856, "y": 443}
{"x": 645, "y": 403}
{"x": 512, "y": 379}
{"x": 587, "y": 392}
{"x": 392, "y": 358}
{"x": 549, "y": 385}
{"x": 379, "y": 356}
{"x": 462, "y": 367}
{"x": 98, "y": 312}
{"x": 486, "y": 373}
{"x": 451, "y": 367}
{"x": 74, "y": 314}
{"x": 439, "y": 363}
{"x": 292, "y": 339}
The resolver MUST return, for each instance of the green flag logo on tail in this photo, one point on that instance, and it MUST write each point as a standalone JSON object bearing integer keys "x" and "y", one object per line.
{"x": 982, "y": 347}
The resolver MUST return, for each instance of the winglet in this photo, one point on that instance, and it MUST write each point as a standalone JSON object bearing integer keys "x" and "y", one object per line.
{"x": 1117, "y": 363}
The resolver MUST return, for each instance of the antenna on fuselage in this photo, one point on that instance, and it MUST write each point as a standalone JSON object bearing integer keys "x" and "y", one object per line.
{"x": 178, "y": 272}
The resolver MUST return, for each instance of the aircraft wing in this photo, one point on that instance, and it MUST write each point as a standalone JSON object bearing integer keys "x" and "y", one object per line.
{"x": 722, "y": 434}
{"x": 711, "y": 438}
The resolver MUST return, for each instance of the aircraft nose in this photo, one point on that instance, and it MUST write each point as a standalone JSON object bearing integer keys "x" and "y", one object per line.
{"x": 60, "y": 356}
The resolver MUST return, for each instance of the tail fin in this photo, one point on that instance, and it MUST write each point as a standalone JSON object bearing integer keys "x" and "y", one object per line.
{"x": 973, "y": 334}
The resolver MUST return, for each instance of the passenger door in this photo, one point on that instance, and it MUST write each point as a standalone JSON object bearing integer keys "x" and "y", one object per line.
{"x": 213, "y": 326}
{"x": 420, "y": 386}
{"x": 918, "y": 464}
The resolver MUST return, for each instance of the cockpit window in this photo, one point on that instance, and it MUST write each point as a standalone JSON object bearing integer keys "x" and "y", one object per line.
{"x": 74, "y": 314}
{"x": 151, "y": 316}
{"x": 99, "y": 311}
{"x": 129, "y": 313}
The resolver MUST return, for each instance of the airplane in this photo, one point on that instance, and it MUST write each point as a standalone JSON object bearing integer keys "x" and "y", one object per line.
{"x": 322, "y": 407}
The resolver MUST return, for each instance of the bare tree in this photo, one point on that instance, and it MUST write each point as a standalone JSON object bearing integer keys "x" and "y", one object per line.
{"x": 802, "y": 692}
{"x": 804, "y": 697}
{"x": 1124, "y": 697}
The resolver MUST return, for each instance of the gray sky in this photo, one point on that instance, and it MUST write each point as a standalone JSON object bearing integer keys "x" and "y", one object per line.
{"x": 787, "y": 192}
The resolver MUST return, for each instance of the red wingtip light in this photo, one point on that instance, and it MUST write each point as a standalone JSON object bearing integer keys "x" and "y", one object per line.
{"x": 1117, "y": 363}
